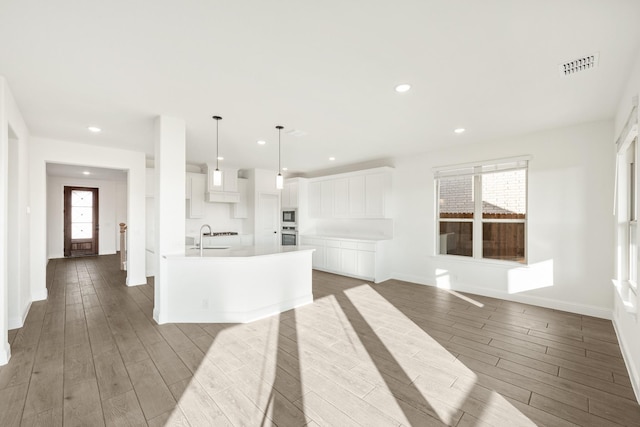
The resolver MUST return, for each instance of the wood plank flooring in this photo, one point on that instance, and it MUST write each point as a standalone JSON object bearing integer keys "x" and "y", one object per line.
{"x": 392, "y": 354}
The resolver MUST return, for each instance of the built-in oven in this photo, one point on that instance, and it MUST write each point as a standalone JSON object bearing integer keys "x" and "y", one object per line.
{"x": 289, "y": 236}
{"x": 289, "y": 216}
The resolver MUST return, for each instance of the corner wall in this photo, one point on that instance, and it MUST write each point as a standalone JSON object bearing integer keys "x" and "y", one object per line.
{"x": 627, "y": 324}
{"x": 15, "y": 296}
{"x": 570, "y": 240}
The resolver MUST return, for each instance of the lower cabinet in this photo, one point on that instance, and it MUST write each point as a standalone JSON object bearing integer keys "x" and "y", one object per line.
{"x": 357, "y": 258}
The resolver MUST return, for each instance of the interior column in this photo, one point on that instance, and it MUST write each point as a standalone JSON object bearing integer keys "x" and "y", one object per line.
{"x": 170, "y": 167}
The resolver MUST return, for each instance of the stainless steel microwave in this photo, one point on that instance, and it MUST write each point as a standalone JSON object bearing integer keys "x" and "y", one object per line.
{"x": 289, "y": 216}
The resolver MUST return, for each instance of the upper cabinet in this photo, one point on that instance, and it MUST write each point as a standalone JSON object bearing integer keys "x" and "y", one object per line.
{"x": 289, "y": 195}
{"x": 364, "y": 194}
{"x": 228, "y": 191}
{"x": 194, "y": 192}
{"x": 150, "y": 184}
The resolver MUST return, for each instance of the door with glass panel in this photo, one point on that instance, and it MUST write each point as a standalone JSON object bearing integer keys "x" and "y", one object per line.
{"x": 80, "y": 221}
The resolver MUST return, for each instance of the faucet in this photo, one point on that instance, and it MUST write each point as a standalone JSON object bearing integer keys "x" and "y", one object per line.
{"x": 201, "y": 234}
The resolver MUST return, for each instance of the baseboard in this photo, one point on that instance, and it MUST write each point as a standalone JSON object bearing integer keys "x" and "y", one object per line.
{"x": 5, "y": 353}
{"x": 39, "y": 295}
{"x": 587, "y": 310}
{"x": 634, "y": 376}
{"x": 17, "y": 321}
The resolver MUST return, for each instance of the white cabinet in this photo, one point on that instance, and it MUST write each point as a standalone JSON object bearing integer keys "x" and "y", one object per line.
{"x": 195, "y": 189}
{"x": 341, "y": 198}
{"x": 289, "y": 196}
{"x": 150, "y": 182}
{"x": 318, "y": 257}
{"x": 364, "y": 194}
{"x": 377, "y": 190}
{"x": 366, "y": 264}
{"x": 326, "y": 199}
{"x": 228, "y": 191}
{"x": 241, "y": 209}
{"x": 349, "y": 261}
{"x": 315, "y": 200}
{"x": 364, "y": 259}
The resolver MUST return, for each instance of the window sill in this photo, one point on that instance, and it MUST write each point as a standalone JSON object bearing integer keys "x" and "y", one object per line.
{"x": 481, "y": 261}
{"x": 628, "y": 301}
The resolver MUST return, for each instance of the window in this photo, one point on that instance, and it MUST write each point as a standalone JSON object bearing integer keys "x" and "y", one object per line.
{"x": 482, "y": 210}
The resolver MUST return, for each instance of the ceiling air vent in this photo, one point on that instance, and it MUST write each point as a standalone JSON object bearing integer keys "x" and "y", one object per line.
{"x": 577, "y": 65}
{"x": 296, "y": 132}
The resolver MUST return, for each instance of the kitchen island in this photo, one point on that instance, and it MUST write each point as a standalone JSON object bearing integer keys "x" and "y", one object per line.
{"x": 237, "y": 284}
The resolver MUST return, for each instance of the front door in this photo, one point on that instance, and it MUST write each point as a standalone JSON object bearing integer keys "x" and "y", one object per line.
{"x": 80, "y": 221}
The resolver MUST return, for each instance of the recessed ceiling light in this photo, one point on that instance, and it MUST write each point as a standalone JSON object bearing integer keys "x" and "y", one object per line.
{"x": 285, "y": 169}
{"x": 262, "y": 142}
{"x": 86, "y": 173}
{"x": 459, "y": 130}
{"x": 332, "y": 158}
{"x": 94, "y": 129}
{"x": 403, "y": 87}
{"x": 220, "y": 158}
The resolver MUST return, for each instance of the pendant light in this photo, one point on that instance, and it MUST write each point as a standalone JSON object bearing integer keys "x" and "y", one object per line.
{"x": 217, "y": 174}
{"x": 279, "y": 178}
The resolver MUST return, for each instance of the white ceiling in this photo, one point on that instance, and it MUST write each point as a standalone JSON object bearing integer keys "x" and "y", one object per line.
{"x": 327, "y": 68}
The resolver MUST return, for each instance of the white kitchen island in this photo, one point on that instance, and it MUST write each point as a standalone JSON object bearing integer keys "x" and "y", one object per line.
{"x": 237, "y": 284}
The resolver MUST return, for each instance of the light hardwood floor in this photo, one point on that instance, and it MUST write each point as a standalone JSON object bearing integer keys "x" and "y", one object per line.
{"x": 373, "y": 355}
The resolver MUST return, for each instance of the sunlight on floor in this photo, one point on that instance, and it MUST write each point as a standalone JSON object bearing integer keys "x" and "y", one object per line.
{"x": 349, "y": 356}
{"x": 465, "y": 298}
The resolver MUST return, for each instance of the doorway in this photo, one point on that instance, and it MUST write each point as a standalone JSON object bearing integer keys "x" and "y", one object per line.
{"x": 80, "y": 221}
{"x": 268, "y": 220}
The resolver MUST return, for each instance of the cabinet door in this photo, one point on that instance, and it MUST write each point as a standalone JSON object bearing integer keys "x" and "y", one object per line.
{"x": 366, "y": 264}
{"x": 357, "y": 205}
{"x": 349, "y": 261}
{"x": 318, "y": 257}
{"x": 195, "y": 195}
{"x": 332, "y": 258}
{"x": 341, "y": 198}
{"x": 376, "y": 187}
{"x": 326, "y": 198}
{"x": 315, "y": 202}
{"x": 150, "y": 183}
{"x": 284, "y": 197}
{"x": 230, "y": 180}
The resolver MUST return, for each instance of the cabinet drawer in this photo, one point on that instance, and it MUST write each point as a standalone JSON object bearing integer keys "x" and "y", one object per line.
{"x": 371, "y": 247}
{"x": 349, "y": 245}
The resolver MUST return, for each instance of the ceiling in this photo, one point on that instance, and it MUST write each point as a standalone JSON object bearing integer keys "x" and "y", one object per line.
{"x": 326, "y": 68}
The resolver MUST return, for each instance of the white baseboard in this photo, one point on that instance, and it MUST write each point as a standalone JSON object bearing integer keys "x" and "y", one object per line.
{"x": 5, "y": 353}
{"x": 18, "y": 321}
{"x": 571, "y": 307}
{"x": 39, "y": 295}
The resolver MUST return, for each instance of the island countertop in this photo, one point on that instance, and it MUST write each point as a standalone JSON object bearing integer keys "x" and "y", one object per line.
{"x": 238, "y": 251}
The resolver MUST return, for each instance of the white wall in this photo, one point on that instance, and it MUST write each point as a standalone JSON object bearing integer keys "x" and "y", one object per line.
{"x": 627, "y": 324}
{"x": 219, "y": 216}
{"x": 43, "y": 151}
{"x": 569, "y": 233}
{"x": 15, "y": 296}
{"x": 121, "y": 209}
{"x": 107, "y": 213}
